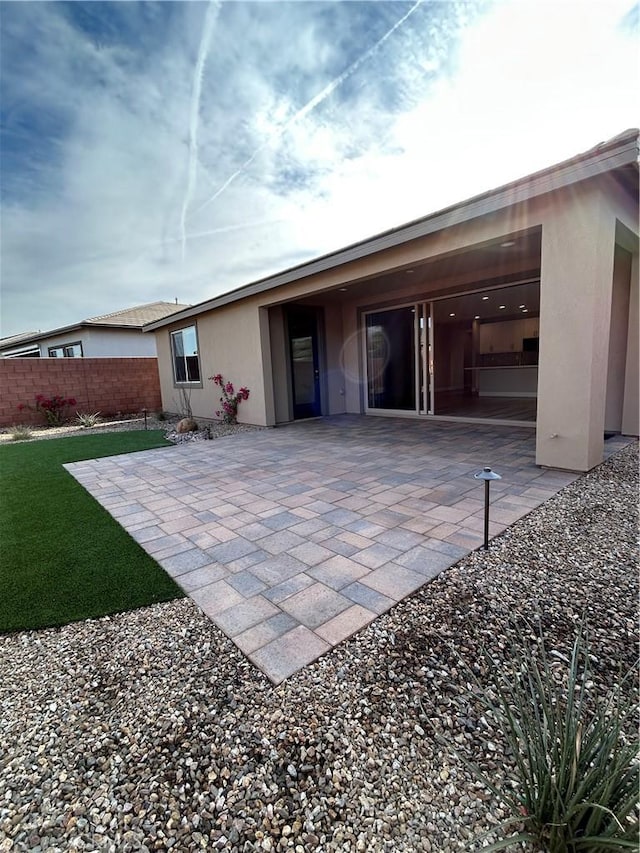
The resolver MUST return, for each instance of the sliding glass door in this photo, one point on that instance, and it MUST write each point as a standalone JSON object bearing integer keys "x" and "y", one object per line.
{"x": 469, "y": 355}
{"x": 391, "y": 359}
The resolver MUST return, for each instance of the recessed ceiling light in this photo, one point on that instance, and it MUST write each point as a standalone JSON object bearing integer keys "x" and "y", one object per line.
{"x": 452, "y": 315}
{"x": 522, "y": 306}
{"x": 477, "y": 317}
{"x": 501, "y": 307}
{"x": 507, "y": 244}
{"x": 409, "y": 272}
{"x": 343, "y": 289}
{"x": 525, "y": 310}
{"x": 484, "y": 298}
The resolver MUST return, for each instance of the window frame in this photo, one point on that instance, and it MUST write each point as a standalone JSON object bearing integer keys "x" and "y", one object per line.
{"x": 181, "y": 383}
{"x": 64, "y": 348}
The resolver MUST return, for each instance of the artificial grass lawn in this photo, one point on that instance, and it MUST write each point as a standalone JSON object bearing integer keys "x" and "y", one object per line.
{"x": 62, "y": 556}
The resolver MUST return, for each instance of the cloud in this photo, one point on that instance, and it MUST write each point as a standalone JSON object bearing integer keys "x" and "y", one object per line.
{"x": 121, "y": 121}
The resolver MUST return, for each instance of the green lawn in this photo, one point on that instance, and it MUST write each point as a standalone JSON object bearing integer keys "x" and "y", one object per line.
{"x": 62, "y": 556}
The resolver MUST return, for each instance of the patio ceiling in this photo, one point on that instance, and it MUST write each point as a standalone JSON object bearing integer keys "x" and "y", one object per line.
{"x": 511, "y": 258}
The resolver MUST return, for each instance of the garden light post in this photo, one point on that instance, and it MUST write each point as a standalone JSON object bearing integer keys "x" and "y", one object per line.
{"x": 487, "y": 475}
{"x": 144, "y": 411}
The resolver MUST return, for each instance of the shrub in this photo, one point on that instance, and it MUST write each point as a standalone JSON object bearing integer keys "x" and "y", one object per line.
{"x": 575, "y": 785}
{"x": 230, "y": 399}
{"x": 54, "y": 408}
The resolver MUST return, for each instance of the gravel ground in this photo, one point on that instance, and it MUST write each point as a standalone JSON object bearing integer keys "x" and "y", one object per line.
{"x": 150, "y": 731}
{"x": 213, "y": 429}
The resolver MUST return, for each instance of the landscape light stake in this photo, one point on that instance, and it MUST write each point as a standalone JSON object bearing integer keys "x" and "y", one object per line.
{"x": 144, "y": 412}
{"x": 487, "y": 475}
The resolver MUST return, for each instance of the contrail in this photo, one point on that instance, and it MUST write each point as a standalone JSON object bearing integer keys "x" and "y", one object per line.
{"x": 311, "y": 105}
{"x": 205, "y": 43}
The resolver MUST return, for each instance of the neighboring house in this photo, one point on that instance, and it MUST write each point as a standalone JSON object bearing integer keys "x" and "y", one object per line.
{"x": 516, "y": 306}
{"x": 114, "y": 335}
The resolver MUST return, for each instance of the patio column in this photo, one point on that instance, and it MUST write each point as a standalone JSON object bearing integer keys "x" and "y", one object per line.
{"x": 576, "y": 283}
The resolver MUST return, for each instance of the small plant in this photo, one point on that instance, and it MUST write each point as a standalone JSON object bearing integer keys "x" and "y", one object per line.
{"x": 20, "y": 433}
{"x": 575, "y": 786}
{"x": 54, "y": 408}
{"x": 88, "y": 420}
{"x": 230, "y": 399}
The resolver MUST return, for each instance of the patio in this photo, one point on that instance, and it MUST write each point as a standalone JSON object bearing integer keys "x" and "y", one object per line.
{"x": 292, "y": 539}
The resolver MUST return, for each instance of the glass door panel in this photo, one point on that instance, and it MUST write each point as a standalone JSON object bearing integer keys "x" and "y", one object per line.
{"x": 304, "y": 361}
{"x": 391, "y": 359}
{"x": 303, "y": 370}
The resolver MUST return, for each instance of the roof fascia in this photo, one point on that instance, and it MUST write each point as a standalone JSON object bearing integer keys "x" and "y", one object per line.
{"x": 606, "y": 158}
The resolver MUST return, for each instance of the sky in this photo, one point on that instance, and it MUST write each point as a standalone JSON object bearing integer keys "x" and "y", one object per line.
{"x": 161, "y": 151}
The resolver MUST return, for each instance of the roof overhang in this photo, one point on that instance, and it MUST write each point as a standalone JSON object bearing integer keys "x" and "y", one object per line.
{"x": 619, "y": 153}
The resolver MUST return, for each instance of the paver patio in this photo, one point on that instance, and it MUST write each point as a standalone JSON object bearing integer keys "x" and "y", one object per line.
{"x": 292, "y": 539}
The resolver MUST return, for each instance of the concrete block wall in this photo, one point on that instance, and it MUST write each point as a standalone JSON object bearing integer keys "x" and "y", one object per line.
{"x": 107, "y": 385}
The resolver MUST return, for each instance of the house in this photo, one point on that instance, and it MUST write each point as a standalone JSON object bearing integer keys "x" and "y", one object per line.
{"x": 519, "y": 305}
{"x": 114, "y": 335}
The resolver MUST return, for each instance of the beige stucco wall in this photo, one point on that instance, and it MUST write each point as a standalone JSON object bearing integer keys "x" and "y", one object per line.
{"x": 575, "y": 313}
{"x": 280, "y": 367}
{"x": 230, "y": 342}
{"x": 334, "y": 337}
{"x": 631, "y": 403}
{"x": 618, "y": 339}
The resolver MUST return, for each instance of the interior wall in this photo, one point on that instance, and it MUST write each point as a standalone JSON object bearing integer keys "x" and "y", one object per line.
{"x": 618, "y": 340}
{"x": 448, "y": 363}
{"x": 506, "y": 336}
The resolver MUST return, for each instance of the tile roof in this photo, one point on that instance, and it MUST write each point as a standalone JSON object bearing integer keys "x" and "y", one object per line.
{"x": 136, "y": 316}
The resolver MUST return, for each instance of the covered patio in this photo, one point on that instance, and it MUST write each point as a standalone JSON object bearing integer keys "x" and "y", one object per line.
{"x": 292, "y": 539}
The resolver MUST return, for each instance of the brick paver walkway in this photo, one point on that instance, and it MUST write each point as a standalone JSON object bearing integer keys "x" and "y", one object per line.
{"x": 292, "y": 539}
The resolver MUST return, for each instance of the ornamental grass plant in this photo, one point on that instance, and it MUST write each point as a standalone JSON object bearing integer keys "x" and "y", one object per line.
{"x": 575, "y": 779}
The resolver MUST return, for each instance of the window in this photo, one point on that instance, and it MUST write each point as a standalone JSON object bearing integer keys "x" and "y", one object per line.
{"x": 29, "y": 352}
{"x": 66, "y": 351}
{"x": 184, "y": 346}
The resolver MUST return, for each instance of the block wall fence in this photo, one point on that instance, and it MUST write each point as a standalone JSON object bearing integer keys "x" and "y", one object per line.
{"x": 106, "y": 385}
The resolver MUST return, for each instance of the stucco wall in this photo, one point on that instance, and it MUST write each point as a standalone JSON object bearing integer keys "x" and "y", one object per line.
{"x": 618, "y": 339}
{"x": 229, "y": 342}
{"x": 119, "y": 342}
{"x": 631, "y": 404}
{"x": 103, "y": 343}
{"x": 106, "y": 385}
{"x": 334, "y": 338}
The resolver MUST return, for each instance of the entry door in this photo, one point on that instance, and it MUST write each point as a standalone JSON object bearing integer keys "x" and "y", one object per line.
{"x": 305, "y": 369}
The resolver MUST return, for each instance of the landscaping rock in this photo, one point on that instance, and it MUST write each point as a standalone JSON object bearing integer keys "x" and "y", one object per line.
{"x": 150, "y": 730}
{"x": 186, "y": 425}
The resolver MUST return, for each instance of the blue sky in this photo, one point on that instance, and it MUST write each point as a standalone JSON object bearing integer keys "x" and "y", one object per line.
{"x": 165, "y": 150}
